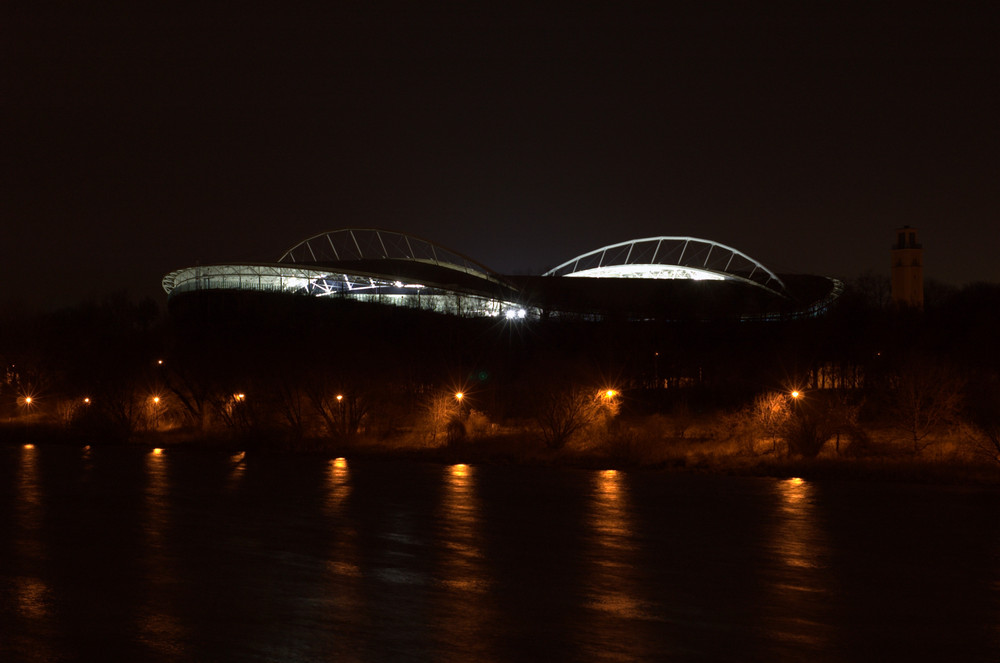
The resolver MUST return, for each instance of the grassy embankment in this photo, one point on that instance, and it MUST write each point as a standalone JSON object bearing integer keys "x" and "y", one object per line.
{"x": 708, "y": 445}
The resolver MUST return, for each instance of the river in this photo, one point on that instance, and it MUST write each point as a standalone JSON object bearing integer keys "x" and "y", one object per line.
{"x": 121, "y": 553}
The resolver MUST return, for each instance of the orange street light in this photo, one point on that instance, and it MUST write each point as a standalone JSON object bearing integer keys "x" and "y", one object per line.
{"x": 340, "y": 397}
{"x": 459, "y": 396}
{"x": 796, "y": 394}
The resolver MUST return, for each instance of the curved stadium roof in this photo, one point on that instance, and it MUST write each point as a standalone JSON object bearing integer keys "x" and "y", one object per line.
{"x": 358, "y": 245}
{"x": 388, "y": 267}
{"x": 365, "y": 264}
{"x": 667, "y": 257}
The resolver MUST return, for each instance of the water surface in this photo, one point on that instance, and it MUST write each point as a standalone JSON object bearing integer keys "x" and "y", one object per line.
{"x": 117, "y": 553}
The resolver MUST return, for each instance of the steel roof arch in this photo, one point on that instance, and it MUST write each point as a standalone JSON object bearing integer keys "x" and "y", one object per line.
{"x": 349, "y": 244}
{"x": 689, "y": 251}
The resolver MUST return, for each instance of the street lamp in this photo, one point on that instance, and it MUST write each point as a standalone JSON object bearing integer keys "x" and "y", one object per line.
{"x": 156, "y": 412}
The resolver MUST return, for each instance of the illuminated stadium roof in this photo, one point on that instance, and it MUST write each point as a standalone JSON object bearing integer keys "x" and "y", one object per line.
{"x": 387, "y": 267}
{"x": 365, "y": 264}
{"x": 362, "y": 244}
{"x": 665, "y": 257}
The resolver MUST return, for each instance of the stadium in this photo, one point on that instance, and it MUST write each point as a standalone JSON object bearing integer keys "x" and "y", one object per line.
{"x": 653, "y": 278}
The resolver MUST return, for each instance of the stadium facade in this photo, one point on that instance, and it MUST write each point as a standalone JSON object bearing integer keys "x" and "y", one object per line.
{"x": 666, "y": 277}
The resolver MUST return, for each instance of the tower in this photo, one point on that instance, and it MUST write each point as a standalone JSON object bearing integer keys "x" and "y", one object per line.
{"x": 907, "y": 269}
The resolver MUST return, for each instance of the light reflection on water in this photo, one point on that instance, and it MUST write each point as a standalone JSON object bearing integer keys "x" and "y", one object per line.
{"x": 618, "y": 615}
{"x": 30, "y": 508}
{"x": 344, "y": 557}
{"x": 462, "y": 540}
{"x": 159, "y": 625}
{"x": 33, "y": 595}
{"x": 467, "y": 577}
{"x": 130, "y": 555}
{"x": 239, "y": 465}
{"x": 799, "y": 589}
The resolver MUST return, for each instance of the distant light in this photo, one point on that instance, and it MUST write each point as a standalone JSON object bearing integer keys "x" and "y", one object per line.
{"x": 87, "y": 401}
{"x": 515, "y": 314}
{"x": 340, "y": 397}
{"x": 796, "y": 394}
{"x": 459, "y": 396}
{"x": 239, "y": 397}
{"x": 156, "y": 399}
{"x": 159, "y": 362}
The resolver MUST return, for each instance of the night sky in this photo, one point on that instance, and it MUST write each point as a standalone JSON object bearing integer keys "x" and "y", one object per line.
{"x": 138, "y": 141}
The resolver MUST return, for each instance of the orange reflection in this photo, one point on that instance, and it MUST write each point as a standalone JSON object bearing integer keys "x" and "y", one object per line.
{"x": 29, "y": 506}
{"x": 30, "y": 591}
{"x": 157, "y": 489}
{"x": 338, "y": 485}
{"x": 611, "y": 593}
{"x": 797, "y": 533}
{"x": 239, "y": 465}
{"x": 163, "y": 631}
{"x": 32, "y": 597}
{"x": 799, "y": 580}
{"x": 461, "y": 514}
{"x": 465, "y": 610}
{"x": 611, "y": 522}
{"x": 345, "y": 597}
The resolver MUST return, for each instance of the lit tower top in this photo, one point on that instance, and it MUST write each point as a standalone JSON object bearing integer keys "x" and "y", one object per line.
{"x": 907, "y": 269}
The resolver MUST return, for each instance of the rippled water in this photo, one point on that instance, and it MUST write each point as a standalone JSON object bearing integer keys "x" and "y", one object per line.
{"x": 123, "y": 554}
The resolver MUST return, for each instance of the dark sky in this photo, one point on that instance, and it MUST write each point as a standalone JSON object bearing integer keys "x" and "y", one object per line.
{"x": 137, "y": 141}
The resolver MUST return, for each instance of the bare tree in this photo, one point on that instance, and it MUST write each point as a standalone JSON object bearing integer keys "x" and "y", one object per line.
{"x": 439, "y": 411}
{"x": 983, "y": 412}
{"x": 769, "y": 416}
{"x": 563, "y": 413}
{"x": 874, "y": 288}
{"x": 924, "y": 397}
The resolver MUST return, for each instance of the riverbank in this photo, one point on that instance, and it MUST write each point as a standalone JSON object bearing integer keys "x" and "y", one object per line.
{"x": 952, "y": 461}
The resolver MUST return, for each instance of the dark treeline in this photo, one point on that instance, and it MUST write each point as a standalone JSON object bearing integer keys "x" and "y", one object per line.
{"x": 272, "y": 367}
